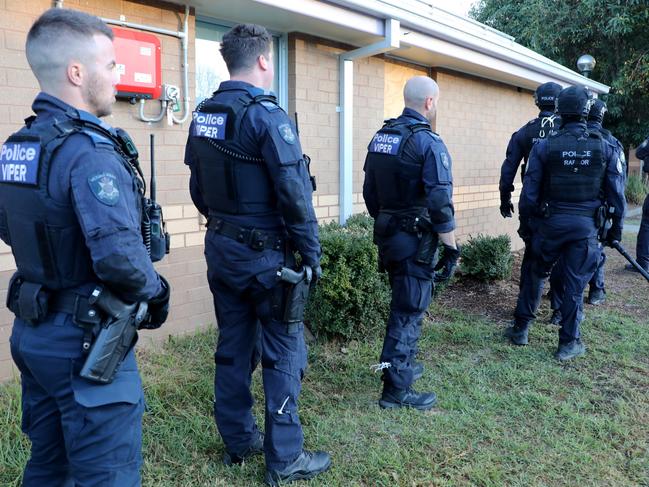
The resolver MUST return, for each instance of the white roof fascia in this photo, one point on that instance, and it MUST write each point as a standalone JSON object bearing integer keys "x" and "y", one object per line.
{"x": 438, "y": 24}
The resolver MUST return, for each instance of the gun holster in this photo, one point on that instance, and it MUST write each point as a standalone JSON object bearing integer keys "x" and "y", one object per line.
{"x": 291, "y": 296}
{"x": 27, "y": 300}
{"x": 117, "y": 335}
{"x": 427, "y": 248}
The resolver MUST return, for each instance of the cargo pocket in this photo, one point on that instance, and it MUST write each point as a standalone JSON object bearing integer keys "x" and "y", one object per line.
{"x": 107, "y": 432}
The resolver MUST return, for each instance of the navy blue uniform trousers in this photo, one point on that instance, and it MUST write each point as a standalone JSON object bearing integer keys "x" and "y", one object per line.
{"x": 411, "y": 297}
{"x": 83, "y": 434}
{"x": 556, "y": 280}
{"x": 572, "y": 238}
{"x": 242, "y": 282}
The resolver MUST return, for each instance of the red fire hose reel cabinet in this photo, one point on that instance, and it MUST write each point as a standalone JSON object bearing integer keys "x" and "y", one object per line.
{"x": 138, "y": 63}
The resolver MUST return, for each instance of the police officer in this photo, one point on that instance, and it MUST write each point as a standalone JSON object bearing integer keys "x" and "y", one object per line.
{"x": 523, "y": 139}
{"x": 250, "y": 179}
{"x": 518, "y": 149}
{"x": 70, "y": 209}
{"x": 596, "y": 292}
{"x": 569, "y": 178}
{"x": 408, "y": 191}
{"x": 642, "y": 243}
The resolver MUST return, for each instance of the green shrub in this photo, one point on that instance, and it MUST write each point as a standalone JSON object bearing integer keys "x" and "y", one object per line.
{"x": 352, "y": 300}
{"x": 487, "y": 258}
{"x": 636, "y": 189}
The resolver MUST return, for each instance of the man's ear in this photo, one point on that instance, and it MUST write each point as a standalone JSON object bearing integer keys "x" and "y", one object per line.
{"x": 76, "y": 73}
{"x": 262, "y": 61}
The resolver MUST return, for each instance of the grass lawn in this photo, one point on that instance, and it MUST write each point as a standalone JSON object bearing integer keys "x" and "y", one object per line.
{"x": 506, "y": 416}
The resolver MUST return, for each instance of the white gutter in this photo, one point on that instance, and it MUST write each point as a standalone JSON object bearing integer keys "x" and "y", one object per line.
{"x": 392, "y": 33}
{"x": 466, "y": 34}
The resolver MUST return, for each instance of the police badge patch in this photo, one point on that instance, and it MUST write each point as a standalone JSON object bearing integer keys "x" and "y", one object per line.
{"x": 619, "y": 164}
{"x": 286, "y": 132}
{"x": 444, "y": 158}
{"x": 104, "y": 187}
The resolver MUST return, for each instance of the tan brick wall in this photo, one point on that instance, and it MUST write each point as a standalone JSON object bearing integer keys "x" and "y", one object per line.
{"x": 185, "y": 266}
{"x": 396, "y": 75}
{"x": 313, "y": 79}
{"x": 476, "y": 118}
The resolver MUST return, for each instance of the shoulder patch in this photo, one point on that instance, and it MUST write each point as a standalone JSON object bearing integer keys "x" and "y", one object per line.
{"x": 286, "y": 132}
{"x": 19, "y": 162}
{"x": 444, "y": 159}
{"x": 209, "y": 125}
{"x": 386, "y": 143}
{"x": 105, "y": 188}
{"x": 269, "y": 105}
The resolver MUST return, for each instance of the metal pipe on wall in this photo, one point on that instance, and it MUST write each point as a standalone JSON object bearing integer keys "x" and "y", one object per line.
{"x": 390, "y": 41}
{"x": 183, "y": 36}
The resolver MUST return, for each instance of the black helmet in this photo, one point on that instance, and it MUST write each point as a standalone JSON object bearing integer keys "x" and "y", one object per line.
{"x": 575, "y": 101}
{"x": 546, "y": 94}
{"x": 597, "y": 111}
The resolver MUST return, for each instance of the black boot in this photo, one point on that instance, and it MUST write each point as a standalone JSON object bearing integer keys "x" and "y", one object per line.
{"x": 406, "y": 398}
{"x": 255, "y": 448}
{"x": 306, "y": 466}
{"x": 516, "y": 334}
{"x": 568, "y": 351}
{"x": 596, "y": 296}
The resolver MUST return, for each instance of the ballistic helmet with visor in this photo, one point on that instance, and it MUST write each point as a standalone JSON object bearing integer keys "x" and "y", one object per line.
{"x": 597, "y": 111}
{"x": 574, "y": 101}
{"x": 546, "y": 94}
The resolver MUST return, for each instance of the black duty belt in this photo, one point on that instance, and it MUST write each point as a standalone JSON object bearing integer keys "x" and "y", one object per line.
{"x": 573, "y": 211}
{"x": 255, "y": 239}
{"x": 76, "y": 305}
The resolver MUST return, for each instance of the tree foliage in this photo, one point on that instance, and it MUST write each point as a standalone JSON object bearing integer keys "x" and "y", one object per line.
{"x": 615, "y": 32}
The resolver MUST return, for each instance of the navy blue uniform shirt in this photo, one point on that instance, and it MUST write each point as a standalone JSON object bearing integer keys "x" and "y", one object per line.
{"x": 425, "y": 148}
{"x": 517, "y": 150}
{"x": 110, "y": 225}
{"x": 260, "y": 137}
{"x": 614, "y": 179}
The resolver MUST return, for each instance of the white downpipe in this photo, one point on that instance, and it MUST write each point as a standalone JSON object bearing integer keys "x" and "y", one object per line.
{"x": 389, "y": 42}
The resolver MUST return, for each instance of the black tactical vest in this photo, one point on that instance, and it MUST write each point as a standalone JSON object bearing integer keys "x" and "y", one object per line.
{"x": 535, "y": 130}
{"x": 230, "y": 180}
{"x": 44, "y": 234}
{"x": 397, "y": 180}
{"x": 575, "y": 168}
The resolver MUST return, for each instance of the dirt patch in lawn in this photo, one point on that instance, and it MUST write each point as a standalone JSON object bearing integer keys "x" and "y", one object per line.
{"x": 627, "y": 291}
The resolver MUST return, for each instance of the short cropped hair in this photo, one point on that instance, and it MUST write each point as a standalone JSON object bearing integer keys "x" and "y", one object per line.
{"x": 59, "y": 36}
{"x": 243, "y": 44}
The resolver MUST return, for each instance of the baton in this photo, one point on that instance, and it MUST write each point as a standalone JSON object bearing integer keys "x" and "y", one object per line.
{"x": 618, "y": 246}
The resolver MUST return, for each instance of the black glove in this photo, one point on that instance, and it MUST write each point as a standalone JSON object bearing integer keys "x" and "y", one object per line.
{"x": 447, "y": 264}
{"x": 158, "y": 308}
{"x": 506, "y": 205}
{"x": 614, "y": 233}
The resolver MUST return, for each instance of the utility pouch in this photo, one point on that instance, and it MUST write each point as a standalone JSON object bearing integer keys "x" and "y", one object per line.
{"x": 27, "y": 300}
{"x": 295, "y": 287}
{"x": 426, "y": 249}
{"x": 115, "y": 338}
{"x": 385, "y": 225}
